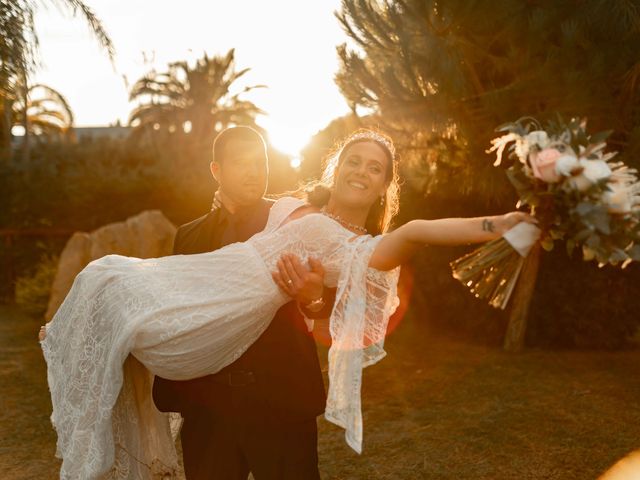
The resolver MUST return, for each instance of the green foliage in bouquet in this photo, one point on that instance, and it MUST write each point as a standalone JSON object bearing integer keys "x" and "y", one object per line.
{"x": 567, "y": 179}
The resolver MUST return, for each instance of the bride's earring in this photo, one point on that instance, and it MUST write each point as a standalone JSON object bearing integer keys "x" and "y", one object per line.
{"x": 382, "y": 200}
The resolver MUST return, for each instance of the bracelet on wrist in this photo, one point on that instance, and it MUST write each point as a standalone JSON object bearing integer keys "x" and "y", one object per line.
{"x": 316, "y": 305}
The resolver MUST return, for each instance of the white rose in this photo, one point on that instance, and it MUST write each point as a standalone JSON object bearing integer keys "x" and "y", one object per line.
{"x": 619, "y": 199}
{"x": 593, "y": 171}
{"x": 539, "y": 137}
{"x": 566, "y": 164}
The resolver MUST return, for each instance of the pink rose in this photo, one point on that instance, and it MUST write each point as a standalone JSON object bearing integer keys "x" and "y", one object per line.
{"x": 543, "y": 164}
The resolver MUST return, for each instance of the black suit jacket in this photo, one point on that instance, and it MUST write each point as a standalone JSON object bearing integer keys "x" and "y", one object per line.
{"x": 288, "y": 381}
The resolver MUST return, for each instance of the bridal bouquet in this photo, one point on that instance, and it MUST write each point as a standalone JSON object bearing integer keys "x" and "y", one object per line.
{"x": 581, "y": 198}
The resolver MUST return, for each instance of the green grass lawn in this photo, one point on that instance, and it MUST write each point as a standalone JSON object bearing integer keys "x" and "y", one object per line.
{"x": 433, "y": 409}
{"x": 436, "y": 409}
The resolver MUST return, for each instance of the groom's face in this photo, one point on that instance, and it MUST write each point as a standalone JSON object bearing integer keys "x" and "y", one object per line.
{"x": 242, "y": 172}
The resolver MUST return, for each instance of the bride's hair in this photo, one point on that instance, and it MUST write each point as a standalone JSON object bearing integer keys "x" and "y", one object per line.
{"x": 380, "y": 216}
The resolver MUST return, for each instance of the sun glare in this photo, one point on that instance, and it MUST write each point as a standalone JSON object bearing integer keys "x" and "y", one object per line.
{"x": 300, "y": 103}
{"x": 289, "y": 139}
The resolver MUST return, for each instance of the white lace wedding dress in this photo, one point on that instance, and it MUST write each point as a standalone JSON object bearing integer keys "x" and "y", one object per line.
{"x": 186, "y": 316}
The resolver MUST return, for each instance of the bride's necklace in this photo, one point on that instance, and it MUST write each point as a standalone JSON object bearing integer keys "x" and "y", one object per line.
{"x": 342, "y": 222}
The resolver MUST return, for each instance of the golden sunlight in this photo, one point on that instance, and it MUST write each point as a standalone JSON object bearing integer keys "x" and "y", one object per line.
{"x": 288, "y": 139}
{"x": 627, "y": 468}
{"x": 295, "y": 60}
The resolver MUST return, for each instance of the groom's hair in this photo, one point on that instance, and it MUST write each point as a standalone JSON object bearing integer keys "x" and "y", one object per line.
{"x": 242, "y": 134}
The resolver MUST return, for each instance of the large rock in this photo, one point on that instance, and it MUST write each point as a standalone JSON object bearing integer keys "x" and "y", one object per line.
{"x": 147, "y": 235}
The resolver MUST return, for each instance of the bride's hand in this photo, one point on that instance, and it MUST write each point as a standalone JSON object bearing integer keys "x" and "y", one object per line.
{"x": 506, "y": 222}
{"x": 304, "y": 284}
{"x": 43, "y": 333}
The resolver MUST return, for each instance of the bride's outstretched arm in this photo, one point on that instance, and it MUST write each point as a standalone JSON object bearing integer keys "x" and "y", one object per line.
{"x": 398, "y": 246}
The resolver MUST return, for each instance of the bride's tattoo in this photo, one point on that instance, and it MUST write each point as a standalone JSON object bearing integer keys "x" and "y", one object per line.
{"x": 487, "y": 225}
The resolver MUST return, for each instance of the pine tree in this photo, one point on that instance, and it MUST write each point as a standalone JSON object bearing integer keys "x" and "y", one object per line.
{"x": 449, "y": 71}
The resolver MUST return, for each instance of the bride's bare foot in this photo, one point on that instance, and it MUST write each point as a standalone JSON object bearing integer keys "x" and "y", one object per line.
{"x": 43, "y": 332}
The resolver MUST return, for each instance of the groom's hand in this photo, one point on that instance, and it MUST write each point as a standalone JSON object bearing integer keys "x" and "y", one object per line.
{"x": 304, "y": 284}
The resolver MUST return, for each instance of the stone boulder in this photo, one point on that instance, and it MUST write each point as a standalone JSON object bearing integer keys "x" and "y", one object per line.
{"x": 147, "y": 235}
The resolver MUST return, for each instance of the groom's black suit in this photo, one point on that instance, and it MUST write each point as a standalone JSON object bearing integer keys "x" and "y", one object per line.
{"x": 259, "y": 413}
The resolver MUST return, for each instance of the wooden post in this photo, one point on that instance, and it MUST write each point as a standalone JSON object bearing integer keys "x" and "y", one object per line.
{"x": 11, "y": 274}
{"x": 514, "y": 338}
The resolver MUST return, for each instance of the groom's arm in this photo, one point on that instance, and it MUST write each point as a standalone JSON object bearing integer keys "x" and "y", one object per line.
{"x": 178, "y": 241}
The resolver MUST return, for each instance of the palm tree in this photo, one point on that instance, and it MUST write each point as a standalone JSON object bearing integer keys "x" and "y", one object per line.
{"x": 43, "y": 111}
{"x": 18, "y": 50}
{"x": 194, "y": 101}
{"x": 46, "y": 112}
{"x": 18, "y": 37}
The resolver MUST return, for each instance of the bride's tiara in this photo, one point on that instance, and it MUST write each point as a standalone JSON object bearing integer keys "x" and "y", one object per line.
{"x": 376, "y": 137}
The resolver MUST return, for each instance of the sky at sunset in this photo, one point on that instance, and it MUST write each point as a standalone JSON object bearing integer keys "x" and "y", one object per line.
{"x": 289, "y": 46}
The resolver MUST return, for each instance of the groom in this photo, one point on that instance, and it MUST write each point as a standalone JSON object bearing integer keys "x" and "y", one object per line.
{"x": 259, "y": 413}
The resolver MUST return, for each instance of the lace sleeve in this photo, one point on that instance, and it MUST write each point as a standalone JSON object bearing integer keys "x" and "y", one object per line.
{"x": 365, "y": 300}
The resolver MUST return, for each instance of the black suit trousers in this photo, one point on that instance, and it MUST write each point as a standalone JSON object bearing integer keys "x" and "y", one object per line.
{"x": 249, "y": 437}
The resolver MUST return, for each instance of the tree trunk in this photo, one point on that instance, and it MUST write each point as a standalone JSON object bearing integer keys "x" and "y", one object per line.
{"x": 25, "y": 121}
{"x": 514, "y": 339}
{"x": 5, "y": 129}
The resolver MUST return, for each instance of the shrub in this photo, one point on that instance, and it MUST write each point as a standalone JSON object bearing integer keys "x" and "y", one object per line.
{"x": 579, "y": 305}
{"x": 33, "y": 290}
{"x": 575, "y": 304}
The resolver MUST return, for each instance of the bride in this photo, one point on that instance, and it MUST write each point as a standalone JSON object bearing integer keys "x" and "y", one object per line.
{"x": 180, "y": 317}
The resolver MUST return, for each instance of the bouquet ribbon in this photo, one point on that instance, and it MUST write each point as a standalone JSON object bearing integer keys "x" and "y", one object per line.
{"x": 522, "y": 237}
